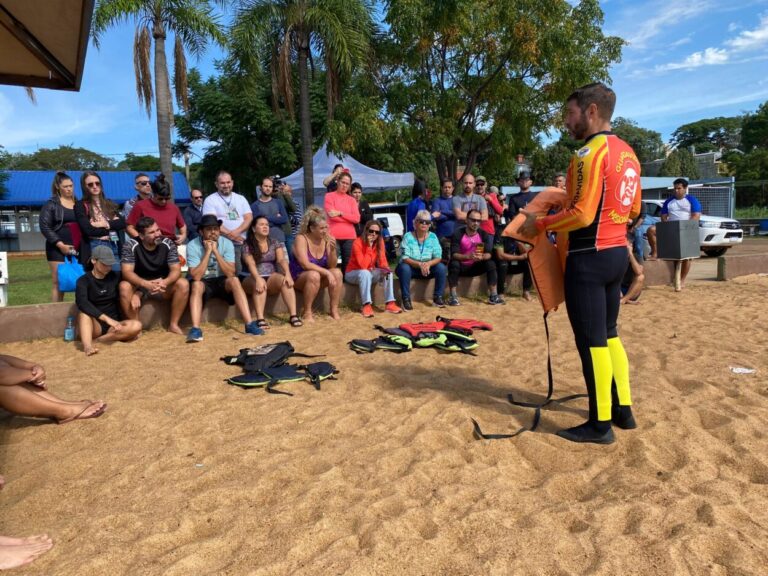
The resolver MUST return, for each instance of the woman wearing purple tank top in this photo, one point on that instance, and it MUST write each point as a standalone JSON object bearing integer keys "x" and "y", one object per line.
{"x": 314, "y": 264}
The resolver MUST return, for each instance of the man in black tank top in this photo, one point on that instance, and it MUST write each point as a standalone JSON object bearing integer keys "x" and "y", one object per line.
{"x": 151, "y": 268}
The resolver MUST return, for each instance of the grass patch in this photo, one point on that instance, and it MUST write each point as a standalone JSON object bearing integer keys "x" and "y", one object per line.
{"x": 751, "y": 212}
{"x": 30, "y": 282}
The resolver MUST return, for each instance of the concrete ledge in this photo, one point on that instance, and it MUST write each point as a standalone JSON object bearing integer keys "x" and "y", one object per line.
{"x": 732, "y": 266}
{"x": 48, "y": 320}
{"x": 659, "y": 272}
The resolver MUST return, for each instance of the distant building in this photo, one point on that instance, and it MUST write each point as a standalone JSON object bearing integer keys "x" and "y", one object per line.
{"x": 710, "y": 165}
{"x": 27, "y": 191}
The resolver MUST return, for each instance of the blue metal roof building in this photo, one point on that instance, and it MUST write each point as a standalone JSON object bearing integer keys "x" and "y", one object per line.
{"x": 33, "y": 187}
{"x": 26, "y": 191}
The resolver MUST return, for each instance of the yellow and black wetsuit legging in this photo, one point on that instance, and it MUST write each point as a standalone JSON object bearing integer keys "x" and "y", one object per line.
{"x": 592, "y": 297}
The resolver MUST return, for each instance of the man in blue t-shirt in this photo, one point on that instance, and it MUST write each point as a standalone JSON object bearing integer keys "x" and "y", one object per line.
{"x": 211, "y": 262}
{"x": 681, "y": 206}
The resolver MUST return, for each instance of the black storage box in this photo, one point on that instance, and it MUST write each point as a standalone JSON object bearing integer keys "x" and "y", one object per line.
{"x": 678, "y": 240}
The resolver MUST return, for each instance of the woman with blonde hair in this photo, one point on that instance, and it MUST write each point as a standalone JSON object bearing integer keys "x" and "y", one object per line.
{"x": 58, "y": 224}
{"x": 314, "y": 263}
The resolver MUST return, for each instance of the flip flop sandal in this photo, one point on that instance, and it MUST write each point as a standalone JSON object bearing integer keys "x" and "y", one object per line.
{"x": 261, "y": 323}
{"x": 296, "y": 322}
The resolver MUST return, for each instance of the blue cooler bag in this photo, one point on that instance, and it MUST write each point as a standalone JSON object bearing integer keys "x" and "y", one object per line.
{"x": 68, "y": 273}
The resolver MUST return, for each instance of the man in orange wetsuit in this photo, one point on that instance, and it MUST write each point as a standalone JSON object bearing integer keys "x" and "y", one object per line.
{"x": 603, "y": 186}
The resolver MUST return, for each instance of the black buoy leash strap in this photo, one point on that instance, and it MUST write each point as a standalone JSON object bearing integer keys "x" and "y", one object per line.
{"x": 537, "y": 406}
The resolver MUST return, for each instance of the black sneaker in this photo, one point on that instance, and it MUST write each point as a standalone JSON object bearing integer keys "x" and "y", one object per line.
{"x": 438, "y": 301}
{"x": 407, "y": 304}
{"x": 496, "y": 299}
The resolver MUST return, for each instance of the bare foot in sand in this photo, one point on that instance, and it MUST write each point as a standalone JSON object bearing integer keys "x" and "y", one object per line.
{"x": 15, "y": 555}
{"x": 335, "y": 314}
{"x": 174, "y": 329}
{"x": 308, "y": 318}
{"x": 9, "y": 541}
{"x": 527, "y": 296}
{"x": 84, "y": 410}
{"x": 90, "y": 350}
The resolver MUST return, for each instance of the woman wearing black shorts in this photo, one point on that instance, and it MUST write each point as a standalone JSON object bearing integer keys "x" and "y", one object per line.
{"x": 57, "y": 221}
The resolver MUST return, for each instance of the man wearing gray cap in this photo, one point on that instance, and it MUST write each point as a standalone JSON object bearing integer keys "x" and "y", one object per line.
{"x": 97, "y": 296}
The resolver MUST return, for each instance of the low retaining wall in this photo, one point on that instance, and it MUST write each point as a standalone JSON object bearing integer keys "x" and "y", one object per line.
{"x": 19, "y": 323}
{"x": 732, "y": 266}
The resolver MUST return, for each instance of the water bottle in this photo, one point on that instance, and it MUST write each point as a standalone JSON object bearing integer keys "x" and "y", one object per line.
{"x": 69, "y": 331}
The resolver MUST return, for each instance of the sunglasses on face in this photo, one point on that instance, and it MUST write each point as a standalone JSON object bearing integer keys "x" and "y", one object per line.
{"x": 143, "y": 183}
{"x": 93, "y": 184}
{"x": 197, "y": 197}
{"x": 474, "y": 220}
{"x": 375, "y": 232}
{"x": 423, "y": 222}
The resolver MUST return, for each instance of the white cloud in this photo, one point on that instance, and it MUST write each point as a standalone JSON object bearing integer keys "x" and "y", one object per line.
{"x": 665, "y": 15}
{"x": 24, "y": 125}
{"x": 745, "y": 42}
{"x": 750, "y": 40}
{"x": 709, "y": 57}
{"x": 733, "y": 27}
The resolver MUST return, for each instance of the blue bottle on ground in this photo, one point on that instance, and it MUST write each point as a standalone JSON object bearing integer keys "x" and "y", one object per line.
{"x": 69, "y": 331}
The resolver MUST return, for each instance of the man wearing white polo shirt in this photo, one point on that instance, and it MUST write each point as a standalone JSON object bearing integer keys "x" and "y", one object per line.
{"x": 681, "y": 206}
{"x": 233, "y": 210}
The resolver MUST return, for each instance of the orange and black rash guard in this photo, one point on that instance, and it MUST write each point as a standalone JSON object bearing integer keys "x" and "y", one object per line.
{"x": 603, "y": 185}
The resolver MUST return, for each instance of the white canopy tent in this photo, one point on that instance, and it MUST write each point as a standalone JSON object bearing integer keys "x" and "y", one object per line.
{"x": 371, "y": 179}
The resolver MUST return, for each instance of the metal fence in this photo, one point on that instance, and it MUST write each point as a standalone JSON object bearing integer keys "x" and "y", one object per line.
{"x": 715, "y": 200}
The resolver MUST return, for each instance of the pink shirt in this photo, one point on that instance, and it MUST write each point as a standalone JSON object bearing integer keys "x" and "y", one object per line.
{"x": 342, "y": 227}
{"x": 467, "y": 246}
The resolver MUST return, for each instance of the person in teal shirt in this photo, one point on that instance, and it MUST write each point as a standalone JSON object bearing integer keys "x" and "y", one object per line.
{"x": 211, "y": 262}
{"x": 421, "y": 259}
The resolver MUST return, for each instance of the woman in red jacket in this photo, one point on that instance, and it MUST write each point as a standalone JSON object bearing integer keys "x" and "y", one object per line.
{"x": 343, "y": 213}
{"x": 368, "y": 264}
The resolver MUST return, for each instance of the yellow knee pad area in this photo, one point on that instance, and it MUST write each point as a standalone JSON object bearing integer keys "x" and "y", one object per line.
{"x": 603, "y": 371}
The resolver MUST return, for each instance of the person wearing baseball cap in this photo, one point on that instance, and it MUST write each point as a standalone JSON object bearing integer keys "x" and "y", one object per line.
{"x": 520, "y": 200}
{"x": 211, "y": 262}
{"x": 97, "y": 297}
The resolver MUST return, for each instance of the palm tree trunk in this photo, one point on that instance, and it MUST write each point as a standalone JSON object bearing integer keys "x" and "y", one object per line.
{"x": 305, "y": 121}
{"x": 163, "y": 103}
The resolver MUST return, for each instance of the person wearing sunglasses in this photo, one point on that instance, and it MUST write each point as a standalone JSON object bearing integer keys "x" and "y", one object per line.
{"x": 471, "y": 251}
{"x": 161, "y": 208}
{"x": 193, "y": 213}
{"x": 368, "y": 265}
{"x": 422, "y": 259}
{"x": 99, "y": 219}
{"x": 143, "y": 191}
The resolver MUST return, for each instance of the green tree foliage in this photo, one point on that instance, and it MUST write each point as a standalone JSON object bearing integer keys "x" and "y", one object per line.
{"x": 232, "y": 114}
{"x": 288, "y": 33}
{"x": 709, "y": 134}
{"x": 680, "y": 163}
{"x": 60, "y": 158}
{"x": 751, "y": 166}
{"x": 470, "y": 78}
{"x": 548, "y": 161}
{"x": 142, "y": 163}
{"x": 647, "y": 144}
{"x": 192, "y": 23}
{"x": 754, "y": 133}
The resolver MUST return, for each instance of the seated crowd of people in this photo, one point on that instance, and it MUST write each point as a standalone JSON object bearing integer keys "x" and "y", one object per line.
{"x": 243, "y": 252}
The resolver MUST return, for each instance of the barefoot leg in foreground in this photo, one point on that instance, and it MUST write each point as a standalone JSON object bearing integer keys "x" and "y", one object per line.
{"x": 15, "y": 555}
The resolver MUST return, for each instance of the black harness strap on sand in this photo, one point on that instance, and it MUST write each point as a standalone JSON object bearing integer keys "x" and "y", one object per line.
{"x": 537, "y": 406}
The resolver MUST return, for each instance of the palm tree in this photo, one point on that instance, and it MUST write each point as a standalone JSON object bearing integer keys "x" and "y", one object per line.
{"x": 192, "y": 23}
{"x": 286, "y": 31}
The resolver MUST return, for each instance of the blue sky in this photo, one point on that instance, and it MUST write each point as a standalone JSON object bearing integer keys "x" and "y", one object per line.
{"x": 686, "y": 60}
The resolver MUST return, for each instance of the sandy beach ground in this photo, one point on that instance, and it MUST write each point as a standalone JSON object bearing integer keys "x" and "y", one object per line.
{"x": 378, "y": 473}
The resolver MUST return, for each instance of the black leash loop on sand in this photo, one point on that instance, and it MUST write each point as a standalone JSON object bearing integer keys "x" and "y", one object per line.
{"x": 537, "y": 406}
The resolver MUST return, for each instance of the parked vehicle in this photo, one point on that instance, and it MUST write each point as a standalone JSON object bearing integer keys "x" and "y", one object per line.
{"x": 716, "y": 234}
{"x": 394, "y": 230}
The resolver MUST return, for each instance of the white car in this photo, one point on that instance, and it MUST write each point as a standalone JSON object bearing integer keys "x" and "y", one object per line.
{"x": 716, "y": 234}
{"x": 395, "y": 229}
